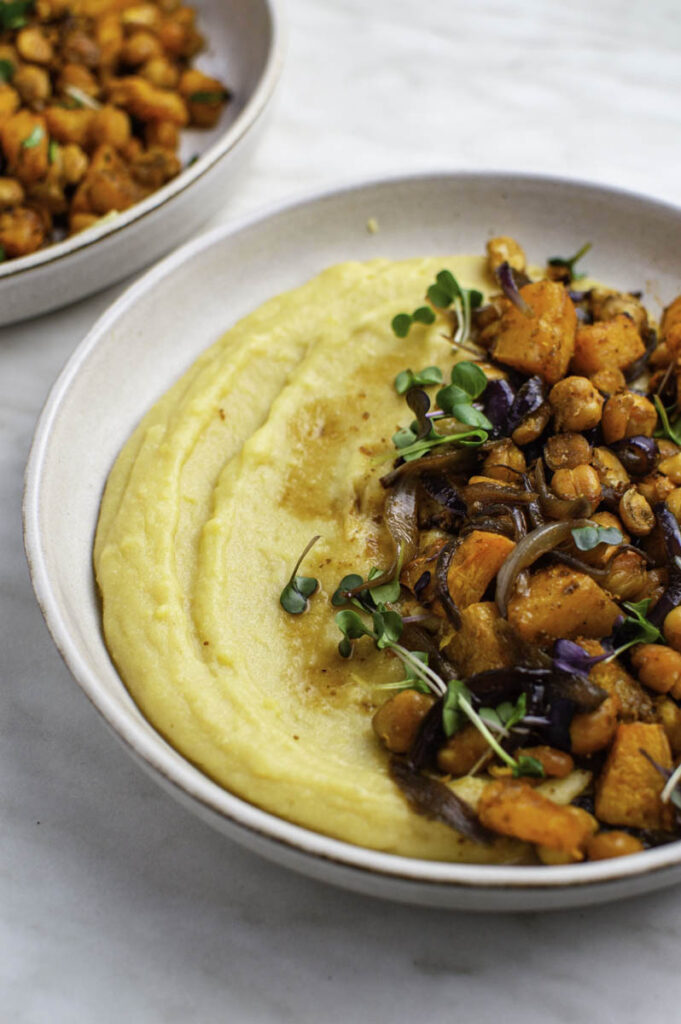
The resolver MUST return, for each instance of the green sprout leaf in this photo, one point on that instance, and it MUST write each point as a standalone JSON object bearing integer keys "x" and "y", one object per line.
{"x": 439, "y": 297}
{"x": 387, "y": 593}
{"x": 295, "y": 596}
{"x": 423, "y": 315}
{"x": 401, "y": 324}
{"x": 587, "y": 538}
{"x": 528, "y": 767}
{"x": 470, "y": 378}
{"x": 423, "y": 379}
{"x": 35, "y": 138}
{"x": 6, "y": 70}
{"x": 350, "y": 582}
{"x": 453, "y": 718}
{"x": 52, "y": 151}
{"x": 14, "y": 13}
{"x": 569, "y": 263}
{"x": 468, "y": 438}
{"x": 216, "y": 96}
{"x": 351, "y": 624}
{"x": 667, "y": 429}
{"x": 637, "y": 623}
{"x": 387, "y": 627}
{"x": 404, "y": 438}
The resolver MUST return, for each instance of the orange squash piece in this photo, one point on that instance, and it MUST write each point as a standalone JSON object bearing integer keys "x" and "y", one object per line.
{"x": 474, "y": 565}
{"x": 560, "y": 602}
{"x": 541, "y": 344}
{"x": 607, "y": 345}
{"x": 513, "y": 808}
{"x": 628, "y": 790}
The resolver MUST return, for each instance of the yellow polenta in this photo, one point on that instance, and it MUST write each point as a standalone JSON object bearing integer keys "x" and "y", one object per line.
{"x": 275, "y": 434}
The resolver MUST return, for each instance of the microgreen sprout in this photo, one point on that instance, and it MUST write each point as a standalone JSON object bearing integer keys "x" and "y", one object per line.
{"x": 569, "y": 263}
{"x": 215, "y": 96}
{"x": 423, "y": 379}
{"x": 13, "y": 13}
{"x": 411, "y": 449}
{"x": 296, "y": 595}
{"x": 632, "y": 629}
{"x": 401, "y": 324}
{"x": 587, "y": 538}
{"x": 667, "y": 429}
{"x": 6, "y": 70}
{"x": 467, "y": 383}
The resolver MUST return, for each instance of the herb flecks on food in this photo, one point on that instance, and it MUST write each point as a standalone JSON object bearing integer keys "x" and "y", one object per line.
{"x": 423, "y": 379}
{"x": 6, "y": 70}
{"x": 587, "y": 538}
{"x": 569, "y": 263}
{"x": 14, "y": 13}
{"x": 35, "y": 138}
{"x": 207, "y": 96}
{"x": 296, "y": 595}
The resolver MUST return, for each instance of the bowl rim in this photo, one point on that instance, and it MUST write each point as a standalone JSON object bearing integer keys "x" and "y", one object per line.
{"x": 111, "y": 225}
{"x": 149, "y": 747}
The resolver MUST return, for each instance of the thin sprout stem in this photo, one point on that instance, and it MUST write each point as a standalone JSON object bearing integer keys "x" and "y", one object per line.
{"x": 423, "y": 671}
{"x": 305, "y": 552}
{"x": 482, "y": 728}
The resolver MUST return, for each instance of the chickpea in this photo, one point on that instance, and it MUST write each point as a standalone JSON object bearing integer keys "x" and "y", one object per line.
{"x": 671, "y": 467}
{"x": 79, "y": 76}
{"x": 109, "y": 37}
{"x": 655, "y": 585}
{"x": 397, "y": 721}
{"x": 627, "y": 576}
{"x": 178, "y": 35}
{"x": 81, "y": 222}
{"x": 566, "y": 451}
{"x": 628, "y": 415}
{"x": 33, "y": 85}
{"x": 462, "y": 752}
{"x": 606, "y": 305}
{"x": 658, "y": 667}
{"x": 504, "y": 462}
{"x": 669, "y": 717}
{"x": 142, "y": 16}
{"x": 576, "y": 404}
{"x": 672, "y": 628}
{"x": 532, "y": 426}
{"x": 11, "y": 192}
{"x": 594, "y": 730}
{"x": 75, "y": 163}
{"x": 22, "y": 231}
{"x": 610, "y": 470}
{"x": 580, "y": 482}
{"x": 608, "y": 380}
{"x": 612, "y": 844}
{"x": 667, "y": 448}
{"x": 139, "y": 48}
{"x": 504, "y": 249}
{"x": 80, "y": 48}
{"x": 110, "y": 126}
{"x": 144, "y": 101}
{"x": 655, "y": 487}
{"x": 556, "y": 763}
{"x": 10, "y": 101}
{"x": 160, "y": 72}
{"x": 602, "y": 553}
{"x": 548, "y": 855}
{"x": 34, "y": 46}
{"x": 153, "y": 168}
{"x": 69, "y": 125}
{"x": 162, "y": 133}
{"x": 636, "y": 514}
{"x": 205, "y": 110}
{"x": 674, "y": 503}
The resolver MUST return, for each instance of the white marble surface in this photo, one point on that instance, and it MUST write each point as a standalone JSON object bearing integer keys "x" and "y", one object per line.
{"x": 115, "y": 904}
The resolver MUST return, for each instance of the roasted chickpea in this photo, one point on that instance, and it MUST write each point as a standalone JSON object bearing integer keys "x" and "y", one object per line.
{"x": 594, "y": 730}
{"x": 462, "y": 752}
{"x": 667, "y": 448}
{"x": 504, "y": 461}
{"x": 139, "y": 48}
{"x": 160, "y": 72}
{"x": 608, "y": 380}
{"x": 576, "y": 404}
{"x": 628, "y": 415}
{"x": 655, "y": 487}
{"x": 504, "y": 249}
{"x": 146, "y": 16}
{"x": 606, "y": 305}
{"x": 672, "y": 628}
{"x": 34, "y": 46}
{"x": 671, "y": 467}
{"x": 33, "y": 85}
{"x": 162, "y": 133}
{"x": 74, "y": 163}
{"x": 669, "y": 716}
{"x": 532, "y": 426}
{"x": 635, "y": 513}
{"x": 674, "y": 503}
{"x": 602, "y": 553}
{"x": 397, "y": 721}
{"x": 110, "y": 126}
{"x": 580, "y": 482}
{"x": 658, "y": 667}
{"x": 566, "y": 451}
{"x": 556, "y": 763}
{"x": 79, "y": 77}
{"x": 22, "y": 231}
{"x": 626, "y": 577}
{"x": 610, "y": 470}
{"x": 10, "y": 101}
{"x": 11, "y": 192}
{"x": 605, "y": 845}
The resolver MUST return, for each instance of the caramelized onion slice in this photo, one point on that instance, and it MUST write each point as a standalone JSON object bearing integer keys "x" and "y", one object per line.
{"x": 537, "y": 543}
{"x": 433, "y": 799}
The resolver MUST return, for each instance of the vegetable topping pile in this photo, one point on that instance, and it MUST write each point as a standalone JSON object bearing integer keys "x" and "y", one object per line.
{"x": 534, "y": 598}
{"x": 93, "y": 95}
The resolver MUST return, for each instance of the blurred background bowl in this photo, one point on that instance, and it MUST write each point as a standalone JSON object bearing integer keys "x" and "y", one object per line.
{"x": 244, "y": 48}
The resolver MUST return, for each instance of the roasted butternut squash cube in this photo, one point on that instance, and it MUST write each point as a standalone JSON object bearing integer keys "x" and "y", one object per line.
{"x": 543, "y": 343}
{"x": 628, "y": 790}
{"x": 561, "y": 602}
{"x": 670, "y": 328}
{"x": 476, "y": 562}
{"x": 484, "y": 640}
{"x": 607, "y": 345}
{"x": 634, "y": 703}
{"x": 513, "y": 808}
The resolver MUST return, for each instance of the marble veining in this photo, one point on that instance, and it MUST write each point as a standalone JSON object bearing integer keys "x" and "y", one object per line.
{"x": 115, "y": 903}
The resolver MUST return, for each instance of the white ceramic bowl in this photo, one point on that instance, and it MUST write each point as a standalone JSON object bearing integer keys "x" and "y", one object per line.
{"x": 122, "y": 367}
{"x": 244, "y": 48}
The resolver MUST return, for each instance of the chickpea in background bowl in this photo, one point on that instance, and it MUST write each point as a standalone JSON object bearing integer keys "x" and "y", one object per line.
{"x": 93, "y": 97}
